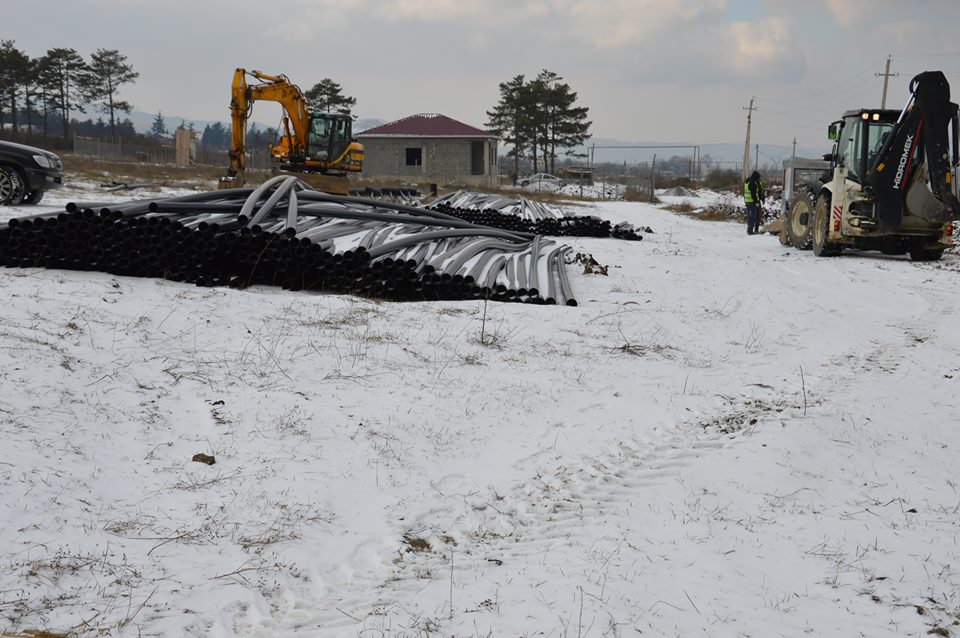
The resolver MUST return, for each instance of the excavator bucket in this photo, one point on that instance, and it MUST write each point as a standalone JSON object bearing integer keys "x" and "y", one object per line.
{"x": 230, "y": 181}
{"x": 332, "y": 184}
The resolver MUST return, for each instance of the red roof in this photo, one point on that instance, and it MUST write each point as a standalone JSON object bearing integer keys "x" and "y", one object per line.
{"x": 426, "y": 125}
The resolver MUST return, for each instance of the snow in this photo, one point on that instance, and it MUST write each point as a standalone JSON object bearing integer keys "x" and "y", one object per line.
{"x": 699, "y": 199}
{"x": 84, "y": 191}
{"x": 597, "y": 190}
{"x": 726, "y": 438}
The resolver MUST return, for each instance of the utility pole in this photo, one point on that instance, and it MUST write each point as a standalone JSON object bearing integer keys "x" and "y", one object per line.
{"x": 746, "y": 145}
{"x": 653, "y": 180}
{"x": 886, "y": 75}
{"x": 794, "y": 147}
{"x": 756, "y": 158}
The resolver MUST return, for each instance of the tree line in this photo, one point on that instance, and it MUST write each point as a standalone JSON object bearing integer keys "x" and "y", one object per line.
{"x": 48, "y": 89}
{"x": 539, "y": 119}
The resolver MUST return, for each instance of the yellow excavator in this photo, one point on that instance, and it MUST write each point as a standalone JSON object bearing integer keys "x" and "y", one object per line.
{"x": 317, "y": 143}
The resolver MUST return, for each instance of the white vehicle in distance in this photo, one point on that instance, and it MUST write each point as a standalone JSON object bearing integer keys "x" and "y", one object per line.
{"x": 541, "y": 180}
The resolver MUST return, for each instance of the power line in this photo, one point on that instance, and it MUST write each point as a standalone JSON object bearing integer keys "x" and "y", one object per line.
{"x": 797, "y": 117}
{"x": 830, "y": 89}
{"x": 794, "y": 116}
{"x": 928, "y": 55}
{"x": 835, "y": 96}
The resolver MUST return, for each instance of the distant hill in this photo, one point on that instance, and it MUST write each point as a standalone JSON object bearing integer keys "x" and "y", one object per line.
{"x": 727, "y": 154}
{"x": 142, "y": 121}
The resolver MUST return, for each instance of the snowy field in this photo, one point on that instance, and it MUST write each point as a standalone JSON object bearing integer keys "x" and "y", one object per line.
{"x": 698, "y": 199}
{"x": 726, "y": 438}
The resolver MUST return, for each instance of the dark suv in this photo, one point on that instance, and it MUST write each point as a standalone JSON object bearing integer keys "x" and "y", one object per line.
{"x": 26, "y": 173}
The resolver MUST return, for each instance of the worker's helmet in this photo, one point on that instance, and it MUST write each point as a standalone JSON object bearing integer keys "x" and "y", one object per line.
{"x": 755, "y": 175}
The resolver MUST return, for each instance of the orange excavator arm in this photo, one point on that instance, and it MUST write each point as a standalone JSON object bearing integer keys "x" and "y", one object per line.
{"x": 272, "y": 88}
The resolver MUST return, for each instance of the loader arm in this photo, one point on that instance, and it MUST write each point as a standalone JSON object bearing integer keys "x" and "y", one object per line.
{"x": 272, "y": 88}
{"x": 920, "y": 140}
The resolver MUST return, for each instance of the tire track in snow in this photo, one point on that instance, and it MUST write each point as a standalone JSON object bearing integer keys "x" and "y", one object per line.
{"x": 546, "y": 512}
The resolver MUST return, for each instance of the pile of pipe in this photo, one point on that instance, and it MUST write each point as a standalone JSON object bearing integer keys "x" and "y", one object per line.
{"x": 527, "y": 209}
{"x": 528, "y": 216}
{"x": 398, "y": 195}
{"x": 285, "y": 233}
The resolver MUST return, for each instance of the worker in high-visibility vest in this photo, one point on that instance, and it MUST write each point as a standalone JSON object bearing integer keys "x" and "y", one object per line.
{"x": 753, "y": 196}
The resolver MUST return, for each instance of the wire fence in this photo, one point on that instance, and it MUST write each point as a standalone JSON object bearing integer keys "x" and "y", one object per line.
{"x": 163, "y": 152}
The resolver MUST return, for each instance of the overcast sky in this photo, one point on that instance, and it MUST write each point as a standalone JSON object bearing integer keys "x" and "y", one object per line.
{"x": 649, "y": 70}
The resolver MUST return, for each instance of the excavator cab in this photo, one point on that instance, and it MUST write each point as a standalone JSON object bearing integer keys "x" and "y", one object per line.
{"x": 859, "y": 138}
{"x": 329, "y": 137}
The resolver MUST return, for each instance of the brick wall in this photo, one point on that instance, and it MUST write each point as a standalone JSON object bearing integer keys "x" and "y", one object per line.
{"x": 444, "y": 160}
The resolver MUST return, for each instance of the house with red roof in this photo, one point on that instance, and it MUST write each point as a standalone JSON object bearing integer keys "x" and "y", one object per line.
{"x": 429, "y": 147}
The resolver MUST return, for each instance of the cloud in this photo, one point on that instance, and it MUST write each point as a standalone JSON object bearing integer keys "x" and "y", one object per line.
{"x": 427, "y": 9}
{"x": 855, "y": 14}
{"x": 611, "y": 24}
{"x": 846, "y": 12}
{"x": 299, "y": 21}
{"x": 601, "y": 24}
{"x": 494, "y": 13}
{"x": 759, "y": 49}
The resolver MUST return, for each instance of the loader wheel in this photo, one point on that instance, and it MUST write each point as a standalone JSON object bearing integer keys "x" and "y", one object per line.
{"x": 799, "y": 220}
{"x": 925, "y": 250}
{"x": 821, "y": 227}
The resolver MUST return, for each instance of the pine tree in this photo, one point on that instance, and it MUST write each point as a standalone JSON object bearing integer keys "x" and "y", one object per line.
{"x": 510, "y": 119}
{"x": 32, "y": 91}
{"x": 159, "y": 128}
{"x": 108, "y": 71}
{"x": 216, "y": 135}
{"x": 561, "y": 124}
{"x": 14, "y": 73}
{"x": 42, "y": 72}
{"x": 64, "y": 73}
{"x": 327, "y": 97}
{"x": 126, "y": 130}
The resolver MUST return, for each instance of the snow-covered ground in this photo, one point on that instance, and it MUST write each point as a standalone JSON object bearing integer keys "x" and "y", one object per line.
{"x": 597, "y": 190}
{"x": 726, "y": 438}
{"x": 698, "y": 199}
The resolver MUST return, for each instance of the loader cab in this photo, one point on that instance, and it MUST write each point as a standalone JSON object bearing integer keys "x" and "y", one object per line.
{"x": 330, "y": 135}
{"x": 858, "y": 137}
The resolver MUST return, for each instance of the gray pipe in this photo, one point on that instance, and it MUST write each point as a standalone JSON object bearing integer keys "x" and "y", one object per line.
{"x": 493, "y": 272}
{"x": 564, "y": 282}
{"x": 437, "y": 234}
{"x": 292, "y": 210}
{"x": 534, "y": 258}
{"x": 268, "y": 205}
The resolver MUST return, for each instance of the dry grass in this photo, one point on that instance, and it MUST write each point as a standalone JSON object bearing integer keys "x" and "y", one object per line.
{"x": 682, "y": 207}
{"x": 101, "y": 171}
{"x": 714, "y": 213}
{"x": 78, "y": 167}
{"x": 632, "y": 194}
